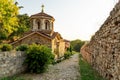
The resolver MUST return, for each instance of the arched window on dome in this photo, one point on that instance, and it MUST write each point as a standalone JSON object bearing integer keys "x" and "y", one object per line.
{"x": 38, "y": 24}
{"x": 47, "y": 25}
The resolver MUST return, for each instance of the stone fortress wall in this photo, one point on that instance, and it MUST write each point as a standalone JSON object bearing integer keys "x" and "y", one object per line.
{"x": 11, "y": 63}
{"x": 103, "y": 51}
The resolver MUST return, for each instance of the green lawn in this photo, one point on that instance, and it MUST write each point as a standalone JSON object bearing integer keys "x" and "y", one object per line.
{"x": 86, "y": 71}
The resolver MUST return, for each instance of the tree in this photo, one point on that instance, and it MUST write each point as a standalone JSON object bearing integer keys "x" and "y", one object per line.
{"x": 77, "y": 44}
{"x": 23, "y": 23}
{"x": 23, "y": 26}
{"x": 8, "y": 19}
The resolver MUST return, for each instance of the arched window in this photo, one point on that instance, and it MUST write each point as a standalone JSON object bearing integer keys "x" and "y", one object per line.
{"x": 38, "y": 24}
{"x": 47, "y": 25}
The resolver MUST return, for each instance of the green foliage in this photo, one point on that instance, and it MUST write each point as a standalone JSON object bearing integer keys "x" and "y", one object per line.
{"x": 5, "y": 47}
{"x": 22, "y": 47}
{"x": 38, "y": 58}
{"x": 77, "y": 44}
{"x": 23, "y": 26}
{"x": 87, "y": 72}
{"x": 3, "y": 36}
{"x": 8, "y": 19}
{"x": 69, "y": 49}
{"x": 67, "y": 54}
{"x": 12, "y": 78}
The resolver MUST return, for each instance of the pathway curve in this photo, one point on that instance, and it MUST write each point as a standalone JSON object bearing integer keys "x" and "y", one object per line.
{"x": 65, "y": 70}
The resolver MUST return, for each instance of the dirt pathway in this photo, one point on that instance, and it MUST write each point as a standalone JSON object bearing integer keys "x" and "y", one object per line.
{"x": 65, "y": 70}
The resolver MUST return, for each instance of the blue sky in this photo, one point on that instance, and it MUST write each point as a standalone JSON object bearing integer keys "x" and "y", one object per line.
{"x": 74, "y": 19}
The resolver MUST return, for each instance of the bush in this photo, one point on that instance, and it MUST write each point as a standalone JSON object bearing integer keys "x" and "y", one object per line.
{"x": 69, "y": 49}
{"x": 3, "y": 36}
{"x": 67, "y": 54}
{"x": 22, "y": 47}
{"x": 6, "y": 47}
{"x": 38, "y": 58}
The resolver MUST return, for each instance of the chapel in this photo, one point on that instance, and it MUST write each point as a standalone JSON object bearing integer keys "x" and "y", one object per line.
{"x": 42, "y": 33}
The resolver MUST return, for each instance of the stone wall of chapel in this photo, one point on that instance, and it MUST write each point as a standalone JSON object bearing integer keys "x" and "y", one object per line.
{"x": 35, "y": 38}
{"x": 61, "y": 48}
{"x": 58, "y": 47}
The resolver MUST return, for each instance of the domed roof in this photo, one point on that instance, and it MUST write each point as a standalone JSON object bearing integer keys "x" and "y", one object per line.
{"x": 42, "y": 15}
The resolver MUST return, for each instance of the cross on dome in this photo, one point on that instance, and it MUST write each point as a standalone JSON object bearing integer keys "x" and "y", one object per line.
{"x": 42, "y": 8}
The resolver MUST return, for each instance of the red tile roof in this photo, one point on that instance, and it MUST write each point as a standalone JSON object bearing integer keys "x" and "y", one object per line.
{"x": 27, "y": 34}
{"x": 41, "y": 14}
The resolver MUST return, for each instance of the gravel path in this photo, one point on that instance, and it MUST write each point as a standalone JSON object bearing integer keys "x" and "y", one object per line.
{"x": 65, "y": 70}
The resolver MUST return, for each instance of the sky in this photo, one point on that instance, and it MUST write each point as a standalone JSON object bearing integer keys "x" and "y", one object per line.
{"x": 74, "y": 19}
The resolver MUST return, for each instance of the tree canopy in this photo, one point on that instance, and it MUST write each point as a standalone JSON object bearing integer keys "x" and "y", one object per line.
{"x": 77, "y": 44}
{"x": 23, "y": 26}
{"x": 23, "y": 23}
{"x": 8, "y": 18}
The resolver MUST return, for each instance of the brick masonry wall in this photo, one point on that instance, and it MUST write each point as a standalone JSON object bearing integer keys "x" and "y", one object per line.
{"x": 104, "y": 47}
{"x": 85, "y": 54}
{"x": 11, "y": 63}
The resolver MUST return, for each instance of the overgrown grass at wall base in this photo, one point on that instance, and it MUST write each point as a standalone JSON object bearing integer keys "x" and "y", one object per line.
{"x": 87, "y": 72}
{"x": 38, "y": 58}
{"x": 12, "y": 78}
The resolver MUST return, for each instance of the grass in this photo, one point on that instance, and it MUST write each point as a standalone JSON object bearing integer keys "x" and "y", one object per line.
{"x": 87, "y": 72}
{"x": 12, "y": 78}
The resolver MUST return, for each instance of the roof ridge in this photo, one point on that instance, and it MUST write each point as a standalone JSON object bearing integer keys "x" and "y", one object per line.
{"x": 42, "y": 14}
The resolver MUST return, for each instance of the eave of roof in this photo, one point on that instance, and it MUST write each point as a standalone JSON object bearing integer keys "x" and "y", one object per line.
{"x": 30, "y": 35}
{"x": 42, "y": 14}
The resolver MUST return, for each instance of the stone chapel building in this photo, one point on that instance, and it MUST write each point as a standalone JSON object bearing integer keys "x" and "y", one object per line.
{"x": 42, "y": 32}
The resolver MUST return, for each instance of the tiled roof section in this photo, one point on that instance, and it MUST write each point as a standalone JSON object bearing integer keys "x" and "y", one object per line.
{"x": 42, "y": 15}
{"x": 66, "y": 40}
{"x": 44, "y": 33}
{"x": 54, "y": 34}
{"x": 40, "y": 32}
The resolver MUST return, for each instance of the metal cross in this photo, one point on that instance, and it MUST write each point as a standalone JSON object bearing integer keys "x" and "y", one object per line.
{"x": 42, "y": 8}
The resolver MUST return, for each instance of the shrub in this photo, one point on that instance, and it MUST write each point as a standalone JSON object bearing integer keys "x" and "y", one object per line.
{"x": 38, "y": 58}
{"x": 6, "y": 47}
{"x": 67, "y": 54}
{"x": 69, "y": 49}
{"x": 3, "y": 36}
{"x": 22, "y": 47}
